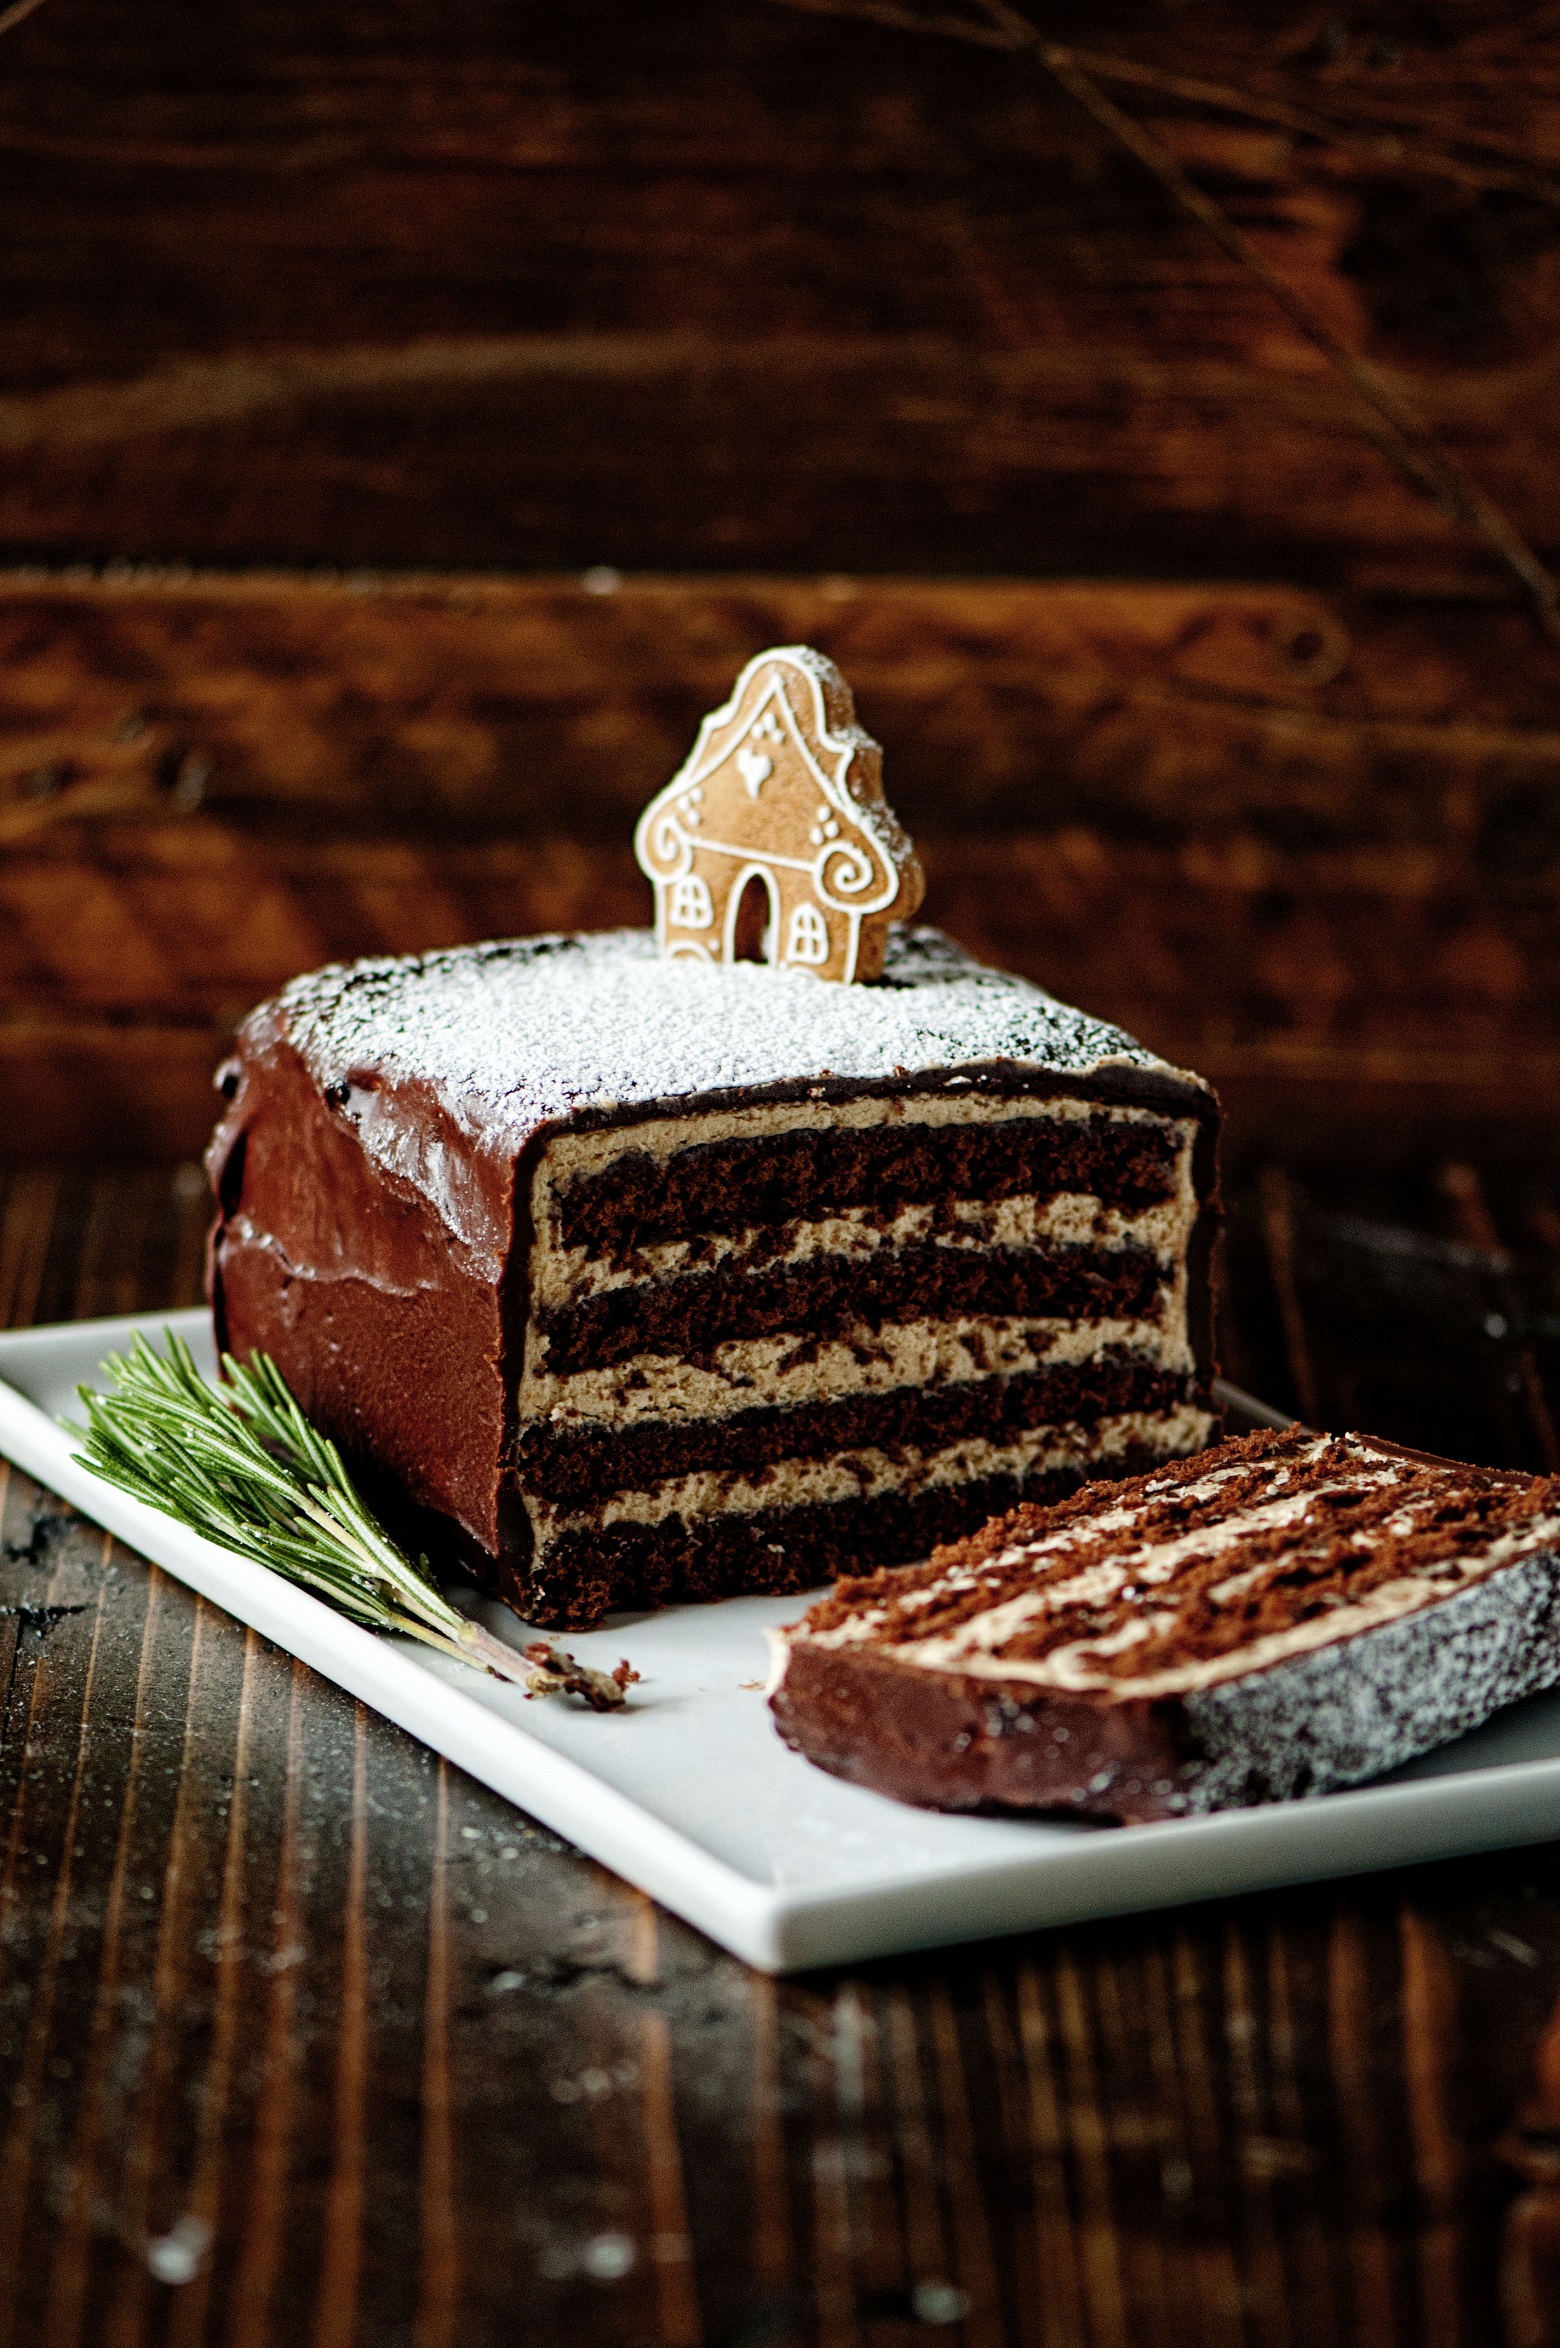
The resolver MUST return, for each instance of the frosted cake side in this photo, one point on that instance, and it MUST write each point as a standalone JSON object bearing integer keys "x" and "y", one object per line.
{"x": 664, "y": 1282}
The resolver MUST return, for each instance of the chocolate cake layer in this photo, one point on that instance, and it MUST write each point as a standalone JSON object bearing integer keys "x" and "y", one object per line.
{"x": 790, "y": 1372}
{"x": 726, "y": 1186}
{"x": 834, "y": 1297}
{"x": 1279, "y": 1616}
{"x": 631, "y": 1565}
{"x": 577, "y": 1464}
{"x": 585, "y": 1248}
{"x": 566, "y": 1276}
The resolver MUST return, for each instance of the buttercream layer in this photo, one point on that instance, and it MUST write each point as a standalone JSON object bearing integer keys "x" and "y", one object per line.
{"x": 792, "y": 1370}
{"x": 867, "y": 1473}
{"x": 568, "y": 1465}
{"x": 886, "y": 1154}
{"x": 562, "y": 1276}
{"x": 827, "y": 1297}
{"x": 580, "y": 1575}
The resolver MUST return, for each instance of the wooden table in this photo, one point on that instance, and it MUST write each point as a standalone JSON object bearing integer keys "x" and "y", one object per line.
{"x": 305, "y": 2038}
{"x": 1054, "y": 414}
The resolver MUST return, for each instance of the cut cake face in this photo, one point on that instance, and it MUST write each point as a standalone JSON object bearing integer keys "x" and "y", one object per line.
{"x": 664, "y": 1280}
{"x": 1285, "y": 1614}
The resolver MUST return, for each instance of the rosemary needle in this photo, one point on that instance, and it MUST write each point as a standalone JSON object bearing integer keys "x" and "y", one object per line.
{"x": 242, "y": 1465}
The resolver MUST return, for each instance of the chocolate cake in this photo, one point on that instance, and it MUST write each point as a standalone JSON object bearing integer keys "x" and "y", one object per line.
{"x": 1285, "y": 1614}
{"x": 661, "y": 1278}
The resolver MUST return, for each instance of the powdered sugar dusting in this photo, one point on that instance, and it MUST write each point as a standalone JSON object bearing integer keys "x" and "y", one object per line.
{"x": 513, "y": 1035}
{"x": 1346, "y": 1712}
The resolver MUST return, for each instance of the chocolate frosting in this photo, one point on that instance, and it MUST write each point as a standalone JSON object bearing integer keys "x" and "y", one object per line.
{"x": 373, "y": 1163}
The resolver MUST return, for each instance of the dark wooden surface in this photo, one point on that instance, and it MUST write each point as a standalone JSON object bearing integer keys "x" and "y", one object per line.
{"x": 1309, "y": 844}
{"x": 306, "y": 2038}
{"x": 804, "y": 325}
{"x": 690, "y": 284}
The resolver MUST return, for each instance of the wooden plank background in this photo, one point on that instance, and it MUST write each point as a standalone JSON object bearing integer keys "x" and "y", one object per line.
{"x": 1277, "y": 834}
{"x": 685, "y": 284}
{"x": 802, "y": 326}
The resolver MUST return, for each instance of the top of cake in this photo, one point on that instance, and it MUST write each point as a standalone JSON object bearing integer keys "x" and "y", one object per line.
{"x": 517, "y": 1034}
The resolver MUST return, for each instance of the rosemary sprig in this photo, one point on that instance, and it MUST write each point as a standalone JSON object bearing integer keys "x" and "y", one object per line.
{"x": 242, "y": 1465}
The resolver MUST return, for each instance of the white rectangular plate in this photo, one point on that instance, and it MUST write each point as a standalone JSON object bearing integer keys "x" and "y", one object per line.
{"x": 690, "y": 1794}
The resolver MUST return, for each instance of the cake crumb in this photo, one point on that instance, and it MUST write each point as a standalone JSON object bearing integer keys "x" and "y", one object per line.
{"x": 558, "y": 1674}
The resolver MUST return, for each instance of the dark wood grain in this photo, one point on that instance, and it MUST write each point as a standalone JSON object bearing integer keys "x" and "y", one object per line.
{"x": 306, "y": 2037}
{"x": 1308, "y": 844}
{"x": 693, "y": 286}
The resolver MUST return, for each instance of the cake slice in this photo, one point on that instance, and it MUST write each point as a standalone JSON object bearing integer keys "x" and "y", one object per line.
{"x": 659, "y": 1278}
{"x": 1285, "y": 1614}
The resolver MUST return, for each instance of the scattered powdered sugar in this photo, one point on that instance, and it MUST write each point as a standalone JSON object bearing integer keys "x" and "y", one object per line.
{"x": 515, "y": 1034}
{"x": 1347, "y": 1712}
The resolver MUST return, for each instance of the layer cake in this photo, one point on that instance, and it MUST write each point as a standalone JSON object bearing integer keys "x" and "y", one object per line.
{"x": 662, "y": 1279}
{"x": 1285, "y": 1614}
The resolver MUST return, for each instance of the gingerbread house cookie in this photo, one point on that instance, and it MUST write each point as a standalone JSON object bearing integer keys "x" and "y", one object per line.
{"x": 780, "y": 812}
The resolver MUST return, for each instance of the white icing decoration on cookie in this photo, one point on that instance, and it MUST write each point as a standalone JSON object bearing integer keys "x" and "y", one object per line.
{"x": 783, "y": 791}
